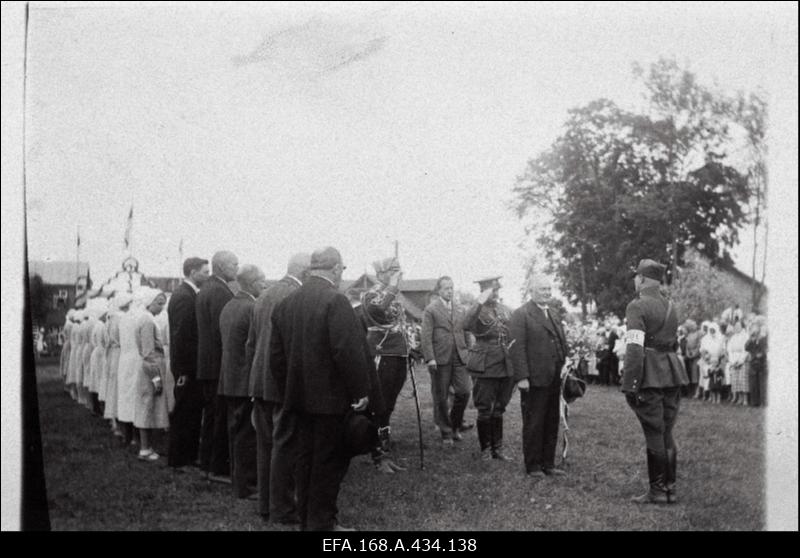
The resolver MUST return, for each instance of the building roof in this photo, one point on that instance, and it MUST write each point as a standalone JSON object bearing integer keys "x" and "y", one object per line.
{"x": 58, "y": 272}
{"x": 418, "y": 285}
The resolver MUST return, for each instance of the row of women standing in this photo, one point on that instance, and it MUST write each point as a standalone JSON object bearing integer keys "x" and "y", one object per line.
{"x": 727, "y": 364}
{"x": 115, "y": 363}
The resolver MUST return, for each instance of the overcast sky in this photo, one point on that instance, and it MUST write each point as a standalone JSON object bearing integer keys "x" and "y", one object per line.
{"x": 272, "y": 129}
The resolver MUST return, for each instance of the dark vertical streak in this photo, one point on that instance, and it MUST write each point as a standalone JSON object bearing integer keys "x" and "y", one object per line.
{"x": 34, "y": 515}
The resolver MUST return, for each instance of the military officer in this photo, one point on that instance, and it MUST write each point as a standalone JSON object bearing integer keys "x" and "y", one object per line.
{"x": 385, "y": 320}
{"x": 489, "y": 365}
{"x": 652, "y": 378}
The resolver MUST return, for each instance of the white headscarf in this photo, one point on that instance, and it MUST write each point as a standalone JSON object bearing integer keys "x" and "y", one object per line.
{"x": 96, "y": 307}
{"x": 713, "y": 342}
{"x": 145, "y": 296}
{"x": 121, "y": 299}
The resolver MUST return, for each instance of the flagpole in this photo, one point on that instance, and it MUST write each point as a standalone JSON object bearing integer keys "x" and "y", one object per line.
{"x": 77, "y": 263}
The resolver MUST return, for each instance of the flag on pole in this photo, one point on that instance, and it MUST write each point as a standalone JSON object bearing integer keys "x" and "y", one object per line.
{"x": 128, "y": 228}
{"x": 79, "y": 237}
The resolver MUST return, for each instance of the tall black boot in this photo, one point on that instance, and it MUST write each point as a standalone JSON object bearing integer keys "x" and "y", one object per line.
{"x": 485, "y": 438}
{"x": 381, "y": 454}
{"x": 497, "y": 439}
{"x": 671, "y": 472}
{"x": 656, "y": 471}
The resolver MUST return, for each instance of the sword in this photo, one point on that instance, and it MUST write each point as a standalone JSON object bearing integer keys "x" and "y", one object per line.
{"x": 410, "y": 366}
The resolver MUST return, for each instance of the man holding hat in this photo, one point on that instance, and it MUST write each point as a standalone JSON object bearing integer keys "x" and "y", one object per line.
{"x": 652, "y": 378}
{"x": 488, "y": 361}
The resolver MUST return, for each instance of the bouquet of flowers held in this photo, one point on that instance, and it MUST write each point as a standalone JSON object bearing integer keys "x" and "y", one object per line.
{"x": 580, "y": 339}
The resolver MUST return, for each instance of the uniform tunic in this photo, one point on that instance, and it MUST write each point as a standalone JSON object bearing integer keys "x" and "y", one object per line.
{"x": 653, "y": 373}
{"x": 385, "y": 319}
{"x": 488, "y": 360}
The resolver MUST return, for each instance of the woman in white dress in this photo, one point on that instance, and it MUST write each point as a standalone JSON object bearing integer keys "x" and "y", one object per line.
{"x": 76, "y": 340}
{"x": 97, "y": 358}
{"x": 162, "y": 320}
{"x": 150, "y": 411}
{"x": 120, "y": 306}
{"x": 128, "y": 370}
{"x": 712, "y": 353}
{"x": 84, "y": 398}
{"x": 737, "y": 357}
{"x": 66, "y": 349}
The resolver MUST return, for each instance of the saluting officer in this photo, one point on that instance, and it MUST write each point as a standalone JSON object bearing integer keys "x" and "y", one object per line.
{"x": 652, "y": 378}
{"x": 488, "y": 362}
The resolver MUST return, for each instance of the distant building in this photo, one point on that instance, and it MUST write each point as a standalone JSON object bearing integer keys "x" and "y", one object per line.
{"x": 742, "y": 284}
{"x": 64, "y": 283}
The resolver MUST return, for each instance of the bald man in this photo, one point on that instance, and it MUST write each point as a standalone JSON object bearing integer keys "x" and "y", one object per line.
{"x": 321, "y": 369}
{"x": 234, "y": 380}
{"x": 211, "y": 299}
{"x": 538, "y": 354}
{"x": 276, "y": 478}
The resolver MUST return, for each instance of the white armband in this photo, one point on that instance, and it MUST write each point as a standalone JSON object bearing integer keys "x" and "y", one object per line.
{"x": 635, "y": 336}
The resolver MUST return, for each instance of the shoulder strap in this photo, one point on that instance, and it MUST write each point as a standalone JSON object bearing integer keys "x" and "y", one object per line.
{"x": 666, "y": 317}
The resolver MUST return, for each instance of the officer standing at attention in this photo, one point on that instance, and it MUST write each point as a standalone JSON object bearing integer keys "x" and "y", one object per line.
{"x": 488, "y": 362}
{"x": 652, "y": 378}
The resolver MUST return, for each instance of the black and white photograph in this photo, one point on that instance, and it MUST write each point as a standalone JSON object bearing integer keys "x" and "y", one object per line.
{"x": 439, "y": 268}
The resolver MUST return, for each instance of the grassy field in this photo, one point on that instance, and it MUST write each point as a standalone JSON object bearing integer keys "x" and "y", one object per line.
{"x": 94, "y": 484}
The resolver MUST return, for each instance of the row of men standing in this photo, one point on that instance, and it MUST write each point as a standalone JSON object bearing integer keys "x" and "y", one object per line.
{"x": 224, "y": 349}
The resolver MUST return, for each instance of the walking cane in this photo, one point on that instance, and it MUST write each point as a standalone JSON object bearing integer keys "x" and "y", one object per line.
{"x": 410, "y": 365}
{"x": 564, "y": 413}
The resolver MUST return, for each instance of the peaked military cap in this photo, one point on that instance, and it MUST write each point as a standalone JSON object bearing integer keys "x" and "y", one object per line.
{"x": 489, "y": 283}
{"x": 650, "y": 268}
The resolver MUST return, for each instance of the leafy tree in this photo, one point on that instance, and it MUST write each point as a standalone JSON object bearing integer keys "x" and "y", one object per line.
{"x": 618, "y": 186}
{"x": 750, "y": 112}
{"x": 38, "y": 299}
{"x": 703, "y": 291}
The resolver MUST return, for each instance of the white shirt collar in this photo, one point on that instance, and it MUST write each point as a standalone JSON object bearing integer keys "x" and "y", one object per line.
{"x": 295, "y": 279}
{"x": 194, "y": 287}
{"x": 328, "y": 280}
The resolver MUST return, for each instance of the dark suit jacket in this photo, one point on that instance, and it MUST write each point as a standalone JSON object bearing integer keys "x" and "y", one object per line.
{"x": 211, "y": 299}
{"x": 539, "y": 348}
{"x": 234, "y": 325}
{"x": 317, "y": 355}
{"x": 182, "y": 332}
{"x": 442, "y": 331}
{"x": 262, "y": 385}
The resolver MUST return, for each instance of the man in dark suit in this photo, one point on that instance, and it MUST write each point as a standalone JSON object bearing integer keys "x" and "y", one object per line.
{"x": 444, "y": 346}
{"x": 211, "y": 299}
{"x": 319, "y": 363}
{"x": 234, "y": 379}
{"x": 538, "y": 354}
{"x": 276, "y": 478}
{"x": 184, "y": 432}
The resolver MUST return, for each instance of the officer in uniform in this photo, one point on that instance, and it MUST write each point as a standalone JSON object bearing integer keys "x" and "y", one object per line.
{"x": 490, "y": 366}
{"x": 385, "y": 321}
{"x": 652, "y": 378}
